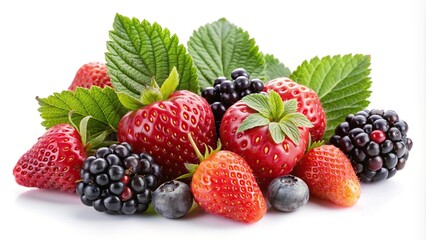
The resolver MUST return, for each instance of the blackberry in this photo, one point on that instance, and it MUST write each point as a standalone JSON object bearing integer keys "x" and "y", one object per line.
{"x": 375, "y": 141}
{"x": 115, "y": 180}
{"x": 226, "y": 92}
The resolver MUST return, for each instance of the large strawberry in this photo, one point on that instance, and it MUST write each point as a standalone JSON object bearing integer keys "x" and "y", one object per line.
{"x": 223, "y": 184}
{"x": 308, "y": 103}
{"x": 161, "y": 126}
{"x": 54, "y": 162}
{"x": 91, "y": 74}
{"x": 329, "y": 175}
{"x": 267, "y": 132}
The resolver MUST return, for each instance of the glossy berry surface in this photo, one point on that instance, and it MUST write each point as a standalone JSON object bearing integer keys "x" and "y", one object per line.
{"x": 115, "y": 180}
{"x": 287, "y": 193}
{"x": 226, "y": 92}
{"x": 375, "y": 141}
{"x": 172, "y": 199}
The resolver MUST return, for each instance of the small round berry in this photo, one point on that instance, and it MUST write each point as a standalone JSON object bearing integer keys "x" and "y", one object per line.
{"x": 242, "y": 83}
{"x": 245, "y": 93}
{"x": 399, "y": 148}
{"x": 361, "y": 139}
{"x": 129, "y": 207}
{"x": 342, "y": 129}
{"x": 358, "y": 121}
{"x": 381, "y": 124}
{"x": 209, "y": 93}
{"x": 113, "y": 159}
{"x": 117, "y": 188}
{"x": 379, "y": 112}
{"x": 375, "y": 163}
{"x": 172, "y": 199}
{"x": 346, "y": 144}
{"x": 102, "y": 179}
{"x": 239, "y": 72}
{"x": 372, "y": 149}
{"x": 227, "y": 86}
{"x": 116, "y": 172}
{"x": 218, "y": 81}
{"x": 218, "y": 109}
{"x": 99, "y": 206}
{"x": 368, "y": 128}
{"x": 391, "y": 116}
{"x": 102, "y": 152}
{"x": 256, "y": 85}
{"x": 112, "y": 203}
{"x": 386, "y": 146}
{"x": 229, "y": 98}
{"x": 402, "y": 127}
{"x": 381, "y": 175}
{"x": 287, "y": 193}
{"x": 378, "y": 136}
{"x": 122, "y": 151}
{"x": 394, "y": 134}
{"x": 390, "y": 160}
{"x": 98, "y": 165}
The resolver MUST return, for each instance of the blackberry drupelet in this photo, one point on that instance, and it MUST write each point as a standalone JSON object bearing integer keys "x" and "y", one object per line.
{"x": 226, "y": 92}
{"x": 115, "y": 180}
{"x": 375, "y": 141}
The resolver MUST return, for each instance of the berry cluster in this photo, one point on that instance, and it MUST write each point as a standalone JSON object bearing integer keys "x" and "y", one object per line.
{"x": 375, "y": 141}
{"x": 226, "y": 92}
{"x": 115, "y": 180}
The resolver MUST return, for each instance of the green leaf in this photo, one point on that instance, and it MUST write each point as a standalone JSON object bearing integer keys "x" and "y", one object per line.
{"x": 290, "y": 106}
{"x": 151, "y": 95}
{"x": 275, "y": 104}
{"x": 290, "y": 130}
{"x": 102, "y": 105}
{"x": 220, "y": 47}
{"x": 276, "y": 133}
{"x": 274, "y": 68}
{"x": 139, "y": 51}
{"x": 341, "y": 82}
{"x": 170, "y": 84}
{"x": 253, "y": 120}
{"x": 299, "y": 119}
{"x": 129, "y": 102}
{"x": 258, "y": 102}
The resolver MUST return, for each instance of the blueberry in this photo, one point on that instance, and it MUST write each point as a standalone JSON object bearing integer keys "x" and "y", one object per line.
{"x": 172, "y": 199}
{"x": 287, "y": 193}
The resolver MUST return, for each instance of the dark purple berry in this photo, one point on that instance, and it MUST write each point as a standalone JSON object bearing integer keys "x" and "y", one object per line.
{"x": 209, "y": 94}
{"x": 227, "y": 86}
{"x": 242, "y": 83}
{"x": 391, "y": 116}
{"x": 239, "y": 72}
{"x": 394, "y": 134}
{"x": 381, "y": 175}
{"x": 256, "y": 85}
{"x": 218, "y": 81}
{"x": 381, "y": 124}
{"x": 358, "y": 121}
{"x": 346, "y": 144}
{"x": 372, "y": 149}
{"x": 218, "y": 110}
{"x": 375, "y": 163}
{"x": 402, "y": 127}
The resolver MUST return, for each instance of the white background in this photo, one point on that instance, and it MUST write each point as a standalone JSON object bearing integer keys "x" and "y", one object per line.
{"x": 42, "y": 44}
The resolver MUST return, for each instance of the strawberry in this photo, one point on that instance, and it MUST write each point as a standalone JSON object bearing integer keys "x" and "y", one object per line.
{"x": 54, "y": 162}
{"x": 329, "y": 175}
{"x": 160, "y": 128}
{"x": 267, "y": 132}
{"x": 223, "y": 184}
{"x": 308, "y": 103}
{"x": 91, "y": 74}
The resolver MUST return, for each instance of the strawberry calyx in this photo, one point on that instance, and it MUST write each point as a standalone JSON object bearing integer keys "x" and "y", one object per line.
{"x": 191, "y": 167}
{"x": 90, "y": 143}
{"x": 152, "y": 93}
{"x": 280, "y": 116}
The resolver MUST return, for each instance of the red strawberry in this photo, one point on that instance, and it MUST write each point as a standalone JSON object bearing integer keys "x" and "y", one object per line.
{"x": 308, "y": 103}
{"x": 54, "y": 162}
{"x": 329, "y": 175}
{"x": 223, "y": 184}
{"x": 161, "y": 128}
{"x": 267, "y": 132}
{"x": 91, "y": 74}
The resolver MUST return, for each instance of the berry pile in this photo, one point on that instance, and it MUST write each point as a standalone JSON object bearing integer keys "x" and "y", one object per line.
{"x": 375, "y": 141}
{"x": 226, "y": 92}
{"x": 115, "y": 180}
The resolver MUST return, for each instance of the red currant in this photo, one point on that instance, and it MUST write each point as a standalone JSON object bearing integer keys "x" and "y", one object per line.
{"x": 378, "y": 136}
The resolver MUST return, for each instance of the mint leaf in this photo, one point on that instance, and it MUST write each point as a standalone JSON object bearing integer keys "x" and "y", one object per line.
{"x": 290, "y": 106}
{"x": 253, "y": 120}
{"x": 220, "y": 47}
{"x": 276, "y": 103}
{"x": 101, "y": 104}
{"x": 341, "y": 82}
{"x": 291, "y": 131}
{"x": 274, "y": 68}
{"x": 139, "y": 51}
{"x": 276, "y": 133}
{"x": 258, "y": 102}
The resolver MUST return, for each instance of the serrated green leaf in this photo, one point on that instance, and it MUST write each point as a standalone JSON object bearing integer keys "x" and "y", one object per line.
{"x": 139, "y": 51}
{"x": 129, "y": 102}
{"x": 220, "y": 47}
{"x": 276, "y": 133}
{"x": 102, "y": 105}
{"x": 253, "y": 120}
{"x": 290, "y": 130}
{"x": 290, "y": 106}
{"x": 170, "y": 84}
{"x": 298, "y": 119}
{"x": 258, "y": 102}
{"x": 341, "y": 82}
{"x": 275, "y": 104}
{"x": 274, "y": 68}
